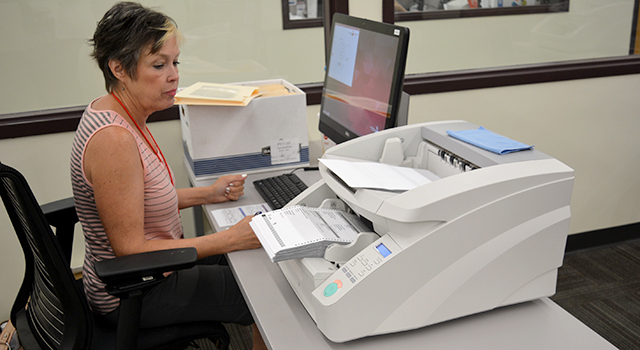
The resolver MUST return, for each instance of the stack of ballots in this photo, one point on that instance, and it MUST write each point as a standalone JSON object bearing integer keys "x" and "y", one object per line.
{"x": 304, "y": 232}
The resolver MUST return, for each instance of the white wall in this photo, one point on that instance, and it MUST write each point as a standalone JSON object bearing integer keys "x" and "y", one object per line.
{"x": 590, "y": 125}
{"x": 591, "y": 29}
{"x": 45, "y": 55}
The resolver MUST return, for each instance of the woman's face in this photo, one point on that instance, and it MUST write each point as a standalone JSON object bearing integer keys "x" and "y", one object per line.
{"x": 157, "y": 81}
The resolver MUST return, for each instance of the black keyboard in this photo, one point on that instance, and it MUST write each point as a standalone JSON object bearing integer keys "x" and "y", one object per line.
{"x": 277, "y": 191}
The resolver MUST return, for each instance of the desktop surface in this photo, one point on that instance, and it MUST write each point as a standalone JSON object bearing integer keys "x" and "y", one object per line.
{"x": 285, "y": 323}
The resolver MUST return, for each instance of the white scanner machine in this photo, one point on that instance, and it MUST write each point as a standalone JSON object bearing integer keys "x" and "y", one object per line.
{"x": 489, "y": 231}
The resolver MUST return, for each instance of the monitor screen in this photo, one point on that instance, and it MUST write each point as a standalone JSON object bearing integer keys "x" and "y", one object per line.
{"x": 364, "y": 77}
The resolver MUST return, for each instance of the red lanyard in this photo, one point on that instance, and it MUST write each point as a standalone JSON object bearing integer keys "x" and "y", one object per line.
{"x": 161, "y": 156}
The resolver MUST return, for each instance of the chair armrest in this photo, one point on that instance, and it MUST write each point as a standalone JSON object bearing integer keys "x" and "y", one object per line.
{"x": 135, "y": 272}
{"x": 61, "y": 214}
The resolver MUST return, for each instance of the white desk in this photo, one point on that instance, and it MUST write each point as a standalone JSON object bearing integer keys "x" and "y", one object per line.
{"x": 285, "y": 324}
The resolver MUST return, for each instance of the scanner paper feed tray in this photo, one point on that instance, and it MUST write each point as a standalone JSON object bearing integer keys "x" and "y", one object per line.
{"x": 303, "y": 232}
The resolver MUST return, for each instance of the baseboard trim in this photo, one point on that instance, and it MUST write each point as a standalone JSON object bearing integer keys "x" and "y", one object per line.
{"x": 602, "y": 237}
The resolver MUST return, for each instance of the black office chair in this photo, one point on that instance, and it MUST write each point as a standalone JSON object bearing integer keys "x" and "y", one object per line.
{"x": 51, "y": 312}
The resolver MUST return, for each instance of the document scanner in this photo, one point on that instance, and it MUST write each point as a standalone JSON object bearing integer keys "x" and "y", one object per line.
{"x": 489, "y": 231}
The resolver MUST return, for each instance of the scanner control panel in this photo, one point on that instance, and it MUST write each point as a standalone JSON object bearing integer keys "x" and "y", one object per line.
{"x": 356, "y": 269}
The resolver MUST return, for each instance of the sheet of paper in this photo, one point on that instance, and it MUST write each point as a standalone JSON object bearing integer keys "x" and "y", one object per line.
{"x": 378, "y": 175}
{"x": 230, "y": 216}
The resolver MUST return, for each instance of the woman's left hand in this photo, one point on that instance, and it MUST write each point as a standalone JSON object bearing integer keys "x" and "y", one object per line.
{"x": 227, "y": 188}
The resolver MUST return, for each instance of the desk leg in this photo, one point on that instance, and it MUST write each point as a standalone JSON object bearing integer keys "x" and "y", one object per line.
{"x": 197, "y": 218}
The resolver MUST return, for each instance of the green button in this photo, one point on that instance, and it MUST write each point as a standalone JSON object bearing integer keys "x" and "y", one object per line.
{"x": 331, "y": 289}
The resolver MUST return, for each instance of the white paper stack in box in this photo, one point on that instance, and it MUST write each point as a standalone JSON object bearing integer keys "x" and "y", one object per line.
{"x": 268, "y": 134}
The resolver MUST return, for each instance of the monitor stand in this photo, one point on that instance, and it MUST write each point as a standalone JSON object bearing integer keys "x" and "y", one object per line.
{"x": 403, "y": 111}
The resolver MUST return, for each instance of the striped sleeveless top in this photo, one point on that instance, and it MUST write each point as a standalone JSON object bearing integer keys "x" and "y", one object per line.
{"x": 161, "y": 218}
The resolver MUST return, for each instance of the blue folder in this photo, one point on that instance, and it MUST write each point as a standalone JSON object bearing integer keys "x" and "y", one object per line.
{"x": 489, "y": 141}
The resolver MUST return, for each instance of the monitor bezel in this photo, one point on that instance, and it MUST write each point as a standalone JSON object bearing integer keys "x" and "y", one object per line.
{"x": 337, "y": 132}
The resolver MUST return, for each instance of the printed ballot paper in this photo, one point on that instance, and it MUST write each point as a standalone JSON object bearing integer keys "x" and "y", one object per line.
{"x": 303, "y": 232}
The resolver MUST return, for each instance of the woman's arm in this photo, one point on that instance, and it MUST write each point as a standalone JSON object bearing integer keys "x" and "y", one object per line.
{"x": 226, "y": 188}
{"x": 112, "y": 164}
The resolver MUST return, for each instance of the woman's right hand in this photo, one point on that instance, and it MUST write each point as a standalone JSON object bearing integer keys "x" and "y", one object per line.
{"x": 242, "y": 235}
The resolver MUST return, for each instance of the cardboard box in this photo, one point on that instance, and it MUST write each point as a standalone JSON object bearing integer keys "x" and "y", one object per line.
{"x": 268, "y": 134}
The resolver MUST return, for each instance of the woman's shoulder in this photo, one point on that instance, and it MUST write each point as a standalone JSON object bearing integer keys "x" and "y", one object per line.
{"x": 109, "y": 141}
{"x": 101, "y": 106}
{"x": 115, "y": 135}
{"x": 100, "y": 119}
{"x": 99, "y": 114}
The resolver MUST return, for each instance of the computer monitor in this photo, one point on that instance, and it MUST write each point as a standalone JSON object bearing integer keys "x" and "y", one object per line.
{"x": 364, "y": 77}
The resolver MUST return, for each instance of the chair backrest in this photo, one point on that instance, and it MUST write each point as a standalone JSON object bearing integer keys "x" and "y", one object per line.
{"x": 57, "y": 314}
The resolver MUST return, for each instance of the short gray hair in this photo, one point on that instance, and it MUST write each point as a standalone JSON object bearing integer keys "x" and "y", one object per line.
{"x": 124, "y": 31}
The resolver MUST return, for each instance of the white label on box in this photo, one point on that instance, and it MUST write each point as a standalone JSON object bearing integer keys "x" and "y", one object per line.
{"x": 285, "y": 151}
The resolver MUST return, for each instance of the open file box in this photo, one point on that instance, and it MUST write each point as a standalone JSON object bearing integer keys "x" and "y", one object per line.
{"x": 270, "y": 133}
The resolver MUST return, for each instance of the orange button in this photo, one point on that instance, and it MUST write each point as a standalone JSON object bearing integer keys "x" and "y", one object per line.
{"x": 339, "y": 283}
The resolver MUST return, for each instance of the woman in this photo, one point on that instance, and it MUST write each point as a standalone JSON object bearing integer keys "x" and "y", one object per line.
{"x": 124, "y": 189}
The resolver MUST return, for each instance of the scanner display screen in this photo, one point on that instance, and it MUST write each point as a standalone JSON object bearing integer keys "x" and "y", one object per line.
{"x": 382, "y": 249}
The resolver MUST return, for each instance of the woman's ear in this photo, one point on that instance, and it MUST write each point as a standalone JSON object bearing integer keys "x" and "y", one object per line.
{"x": 117, "y": 69}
